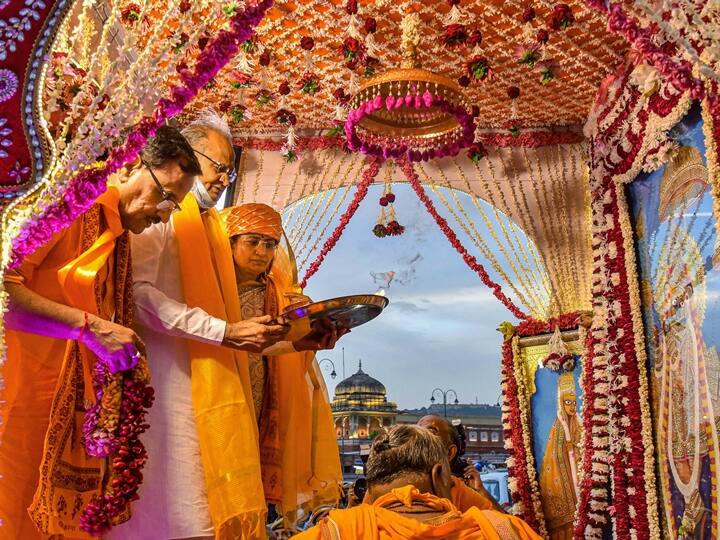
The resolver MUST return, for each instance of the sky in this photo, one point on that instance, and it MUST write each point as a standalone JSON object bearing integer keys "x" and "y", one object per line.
{"x": 439, "y": 330}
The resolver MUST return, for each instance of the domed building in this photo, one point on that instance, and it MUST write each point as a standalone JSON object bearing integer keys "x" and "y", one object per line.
{"x": 360, "y": 406}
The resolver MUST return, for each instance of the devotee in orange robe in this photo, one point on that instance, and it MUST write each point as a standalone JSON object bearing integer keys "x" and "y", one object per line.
{"x": 463, "y": 496}
{"x": 75, "y": 294}
{"x": 409, "y": 485}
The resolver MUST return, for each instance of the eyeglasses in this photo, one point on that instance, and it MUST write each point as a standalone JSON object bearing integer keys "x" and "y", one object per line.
{"x": 168, "y": 199}
{"x": 253, "y": 242}
{"x": 220, "y": 168}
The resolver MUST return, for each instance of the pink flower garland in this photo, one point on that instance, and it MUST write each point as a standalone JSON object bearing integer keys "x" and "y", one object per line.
{"x": 529, "y": 139}
{"x": 390, "y": 147}
{"x": 362, "y": 189}
{"x": 90, "y": 184}
{"x": 471, "y": 261}
{"x": 680, "y": 75}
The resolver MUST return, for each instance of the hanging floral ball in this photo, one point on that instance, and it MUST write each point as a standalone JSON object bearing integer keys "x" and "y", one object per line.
{"x": 264, "y": 58}
{"x": 383, "y": 201}
{"x": 513, "y": 92}
{"x": 474, "y": 38}
{"x": 464, "y": 81}
{"x": 307, "y": 43}
{"x": 394, "y": 228}
{"x": 528, "y": 15}
{"x": 370, "y": 25}
{"x": 284, "y": 88}
{"x": 379, "y": 230}
{"x": 542, "y": 36}
{"x": 390, "y": 197}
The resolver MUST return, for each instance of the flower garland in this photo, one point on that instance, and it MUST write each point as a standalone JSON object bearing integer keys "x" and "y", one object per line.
{"x": 102, "y": 439}
{"x": 389, "y": 147}
{"x": 362, "y": 189}
{"x": 91, "y": 183}
{"x": 679, "y": 74}
{"x": 474, "y": 265}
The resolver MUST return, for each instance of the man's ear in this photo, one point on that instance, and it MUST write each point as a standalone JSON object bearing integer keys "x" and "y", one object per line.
{"x": 452, "y": 452}
{"x": 127, "y": 169}
{"x": 441, "y": 480}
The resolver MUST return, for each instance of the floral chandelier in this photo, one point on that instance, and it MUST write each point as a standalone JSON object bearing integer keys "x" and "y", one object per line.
{"x": 409, "y": 110}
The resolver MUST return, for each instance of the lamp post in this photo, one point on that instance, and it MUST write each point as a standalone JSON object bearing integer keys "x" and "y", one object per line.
{"x": 333, "y": 374}
{"x": 444, "y": 394}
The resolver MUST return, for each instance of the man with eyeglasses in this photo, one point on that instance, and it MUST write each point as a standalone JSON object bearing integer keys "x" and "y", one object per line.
{"x": 75, "y": 295}
{"x": 184, "y": 276}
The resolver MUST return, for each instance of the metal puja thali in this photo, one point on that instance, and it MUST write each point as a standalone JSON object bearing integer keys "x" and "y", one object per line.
{"x": 342, "y": 312}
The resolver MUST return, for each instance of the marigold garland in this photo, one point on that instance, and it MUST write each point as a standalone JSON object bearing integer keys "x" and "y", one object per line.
{"x": 474, "y": 265}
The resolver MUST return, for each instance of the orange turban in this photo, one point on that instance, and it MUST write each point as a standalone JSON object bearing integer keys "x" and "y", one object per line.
{"x": 252, "y": 218}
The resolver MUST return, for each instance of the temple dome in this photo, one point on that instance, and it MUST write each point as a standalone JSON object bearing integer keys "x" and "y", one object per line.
{"x": 360, "y": 383}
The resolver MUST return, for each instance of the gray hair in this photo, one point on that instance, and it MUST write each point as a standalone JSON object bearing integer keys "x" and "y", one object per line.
{"x": 403, "y": 449}
{"x": 207, "y": 120}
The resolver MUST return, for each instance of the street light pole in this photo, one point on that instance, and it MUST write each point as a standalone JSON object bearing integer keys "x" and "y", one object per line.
{"x": 333, "y": 374}
{"x": 444, "y": 394}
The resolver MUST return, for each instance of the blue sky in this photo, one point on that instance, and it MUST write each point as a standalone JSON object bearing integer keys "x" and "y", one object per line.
{"x": 440, "y": 327}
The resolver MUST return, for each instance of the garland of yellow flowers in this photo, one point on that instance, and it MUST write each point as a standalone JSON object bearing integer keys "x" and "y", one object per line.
{"x": 333, "y": 191}
{"x": 534, "y": 303}
{"x": 475, "y": 236}
{"x": 535, "y": 269}
{"x": 712, "y": 155}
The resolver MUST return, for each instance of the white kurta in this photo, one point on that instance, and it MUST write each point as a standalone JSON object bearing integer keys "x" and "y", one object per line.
{"x": 173, "y": 502}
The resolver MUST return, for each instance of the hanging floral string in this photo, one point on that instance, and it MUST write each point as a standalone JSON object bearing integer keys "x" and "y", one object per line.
{"x": 362, "y": 190}
{"x": 89, "y": 184}
{"x": 474, "y": 265}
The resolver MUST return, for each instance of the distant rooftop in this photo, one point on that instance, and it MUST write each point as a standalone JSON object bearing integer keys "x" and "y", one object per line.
{"x": 462, "y": 409}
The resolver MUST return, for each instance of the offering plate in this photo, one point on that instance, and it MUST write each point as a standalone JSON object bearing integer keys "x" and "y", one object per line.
{"x": 342, "y": 312}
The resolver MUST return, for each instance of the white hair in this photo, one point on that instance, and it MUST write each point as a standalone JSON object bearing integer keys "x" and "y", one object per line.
{"x": 207, "y": 120}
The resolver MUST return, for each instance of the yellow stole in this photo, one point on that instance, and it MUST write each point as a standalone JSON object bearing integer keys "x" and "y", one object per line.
{"x": 225, "y": 418}
{"x": 69, "y": 478}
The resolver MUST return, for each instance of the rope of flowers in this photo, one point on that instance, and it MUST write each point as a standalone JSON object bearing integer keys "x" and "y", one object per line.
{"x": 679, "y": 74}
{"x": 91, "y": 183}
{"x": 362, "y": 189}
{"x": 471, "y": 261}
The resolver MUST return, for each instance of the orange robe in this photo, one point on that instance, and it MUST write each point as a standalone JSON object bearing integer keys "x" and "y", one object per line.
{"x": 464, "y": 497}
{"x": 83, "y": 266}
{"x": 293, "y": 458}
{"x": 377, "y": 522}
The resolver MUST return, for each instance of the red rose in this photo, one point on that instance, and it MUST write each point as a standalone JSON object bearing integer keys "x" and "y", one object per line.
{"x": 527, "y": 15}
{"x": 184, "y": 6}
{"x": 224, "y": 105}
{"x": 352, "y": 44}
{"x": 383, "y": 201}
{"x": 307, "y": 43}
{"x": 542, "y": 36}
{"x": 561, "y": 17}
{"x": 370, "y": 25}
{"x": 513, "y": 92}
{"x": 264, "y": 59}
{"x": 390, "y": 197}
{"x": 284, "y": 88}
{"x": 340, "y": 95}
{"x": 454, "y": 2}
{"x": 475, "y": 38}
{"x": 130, "y": 14}
{"x": 455, "y": 34}
{"x": 180, "y": 67}
{"x": 351, "y": 7}
{"x": 464, "y": 81}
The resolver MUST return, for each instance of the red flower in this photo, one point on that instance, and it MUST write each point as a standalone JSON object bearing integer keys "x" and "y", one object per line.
{"x": 307, "y": 43}
{"x": 340, "y": 95}
{"x": 284, "y": 88}
{"x": 130, "y": 14}
{"x": 464, "y": 81}
{"x": 390, "y": 197}
{"x": 474, "y": 38}
{"x": 527, "y": 15}
{"x": 224, "y": 105}
{"x": 202, "y": 42}
{"x": 475, "y": 111}
{"x": 561, "y": 17}
{"x": 285, "y": 117}
{"x": 370, "y": 25}
{"x": 476, "y": 152}
{"x": 454, "y": 2}
{"x": 478, "y": 68}
{"x": 455, "y": 34}
{"x": 383, "y": 201}
{"x": 513, "y": 92}
{"x": 184, "y": 6}
{"x": 264, "y": 59}
{"x": 542, "y": 36}
{"x": 351, "y": 7}
{"x": 309, "y": 83}
{"x": 353, "y": 51}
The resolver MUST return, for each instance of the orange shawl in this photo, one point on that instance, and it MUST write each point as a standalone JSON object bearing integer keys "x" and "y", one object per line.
{"x": 48, "y": 381}
{"x": 464, "y": 497}
{"x": 376, "y": 522}
{"x": 222, "y": 398}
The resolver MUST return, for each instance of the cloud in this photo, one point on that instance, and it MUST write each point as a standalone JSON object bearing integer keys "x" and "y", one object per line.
{"x": 407, "y": 307}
